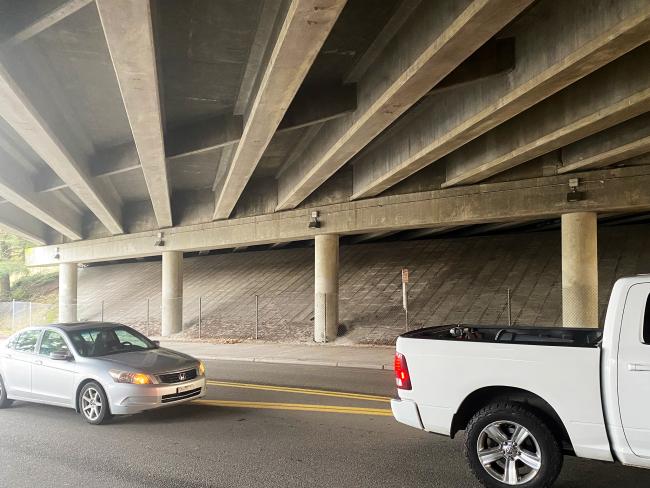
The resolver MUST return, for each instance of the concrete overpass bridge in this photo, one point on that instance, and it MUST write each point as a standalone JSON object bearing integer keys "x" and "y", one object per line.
{"x": 135, "y": 128}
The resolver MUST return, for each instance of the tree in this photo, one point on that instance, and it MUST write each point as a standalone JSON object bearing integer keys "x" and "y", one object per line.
{"x": 12, "y": 261}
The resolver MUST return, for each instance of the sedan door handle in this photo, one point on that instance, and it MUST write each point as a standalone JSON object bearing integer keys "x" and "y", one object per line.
{"x": 38, "y": 361}
{"x": 8, "y": 356}
{"x": 638, "y": 367}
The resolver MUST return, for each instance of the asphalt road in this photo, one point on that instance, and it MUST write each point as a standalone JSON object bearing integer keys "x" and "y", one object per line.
{"x": 249, "y": 435}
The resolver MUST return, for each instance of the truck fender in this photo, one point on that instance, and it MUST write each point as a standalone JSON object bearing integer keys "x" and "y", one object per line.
{"x": 484, "y": 396}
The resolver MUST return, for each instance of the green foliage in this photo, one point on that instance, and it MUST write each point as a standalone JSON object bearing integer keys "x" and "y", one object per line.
{"x": 30, "y": 287}
{"x": 12, "y": 255}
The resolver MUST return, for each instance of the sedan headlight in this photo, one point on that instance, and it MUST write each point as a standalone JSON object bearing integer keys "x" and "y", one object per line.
{"x": 130, "y": 377}
{"x": 201, "y": 368}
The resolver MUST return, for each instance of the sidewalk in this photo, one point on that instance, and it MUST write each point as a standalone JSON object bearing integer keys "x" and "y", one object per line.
{"x": 375, "y": 357}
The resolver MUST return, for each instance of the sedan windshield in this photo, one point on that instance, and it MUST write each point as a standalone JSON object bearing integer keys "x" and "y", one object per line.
{"x": 102, "y": 341}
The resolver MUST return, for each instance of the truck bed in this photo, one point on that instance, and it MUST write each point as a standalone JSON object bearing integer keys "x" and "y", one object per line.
{"x": 543, "y": 336}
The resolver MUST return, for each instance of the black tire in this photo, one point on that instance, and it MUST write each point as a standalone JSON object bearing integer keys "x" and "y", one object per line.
{"x": 93, "y": 404}
{"x": 4, "y": 401}
{"x": 507, "y": 417}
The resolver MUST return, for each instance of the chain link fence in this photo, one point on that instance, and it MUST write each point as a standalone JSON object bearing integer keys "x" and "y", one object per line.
{"x": 289, "y": 316}
{"x": 371, "y": 315}
{"x": 16, "y": 315}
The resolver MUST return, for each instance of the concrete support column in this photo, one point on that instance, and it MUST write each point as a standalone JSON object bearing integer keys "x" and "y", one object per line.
{"x": 326, "y": 298}
{"x": 580, "y": 269}
{"x": 67, "y": 293}
{"x": 172, "y": 292}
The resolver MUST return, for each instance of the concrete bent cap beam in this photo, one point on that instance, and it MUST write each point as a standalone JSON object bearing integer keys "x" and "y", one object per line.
{"x": 618, "y": 190}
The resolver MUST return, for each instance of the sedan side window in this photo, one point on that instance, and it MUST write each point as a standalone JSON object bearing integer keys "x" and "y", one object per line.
{"x": 646, "y": 322}
{"x": 26, "y": 342}
{"x": 52, "y": 342}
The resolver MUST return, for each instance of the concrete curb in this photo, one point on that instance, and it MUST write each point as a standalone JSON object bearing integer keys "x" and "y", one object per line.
{"x": 302, "y": 362}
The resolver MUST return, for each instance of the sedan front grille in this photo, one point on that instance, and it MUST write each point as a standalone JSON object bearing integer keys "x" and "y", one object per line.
{"x": 178, "y": 376}
{"x": 174, "y": 397}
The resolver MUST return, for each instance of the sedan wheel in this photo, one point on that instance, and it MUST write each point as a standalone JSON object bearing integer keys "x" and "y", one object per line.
{"x": 93, "y": 404}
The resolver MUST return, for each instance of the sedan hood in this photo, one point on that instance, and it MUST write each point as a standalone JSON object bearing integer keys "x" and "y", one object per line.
{"x": 154, "y": 361}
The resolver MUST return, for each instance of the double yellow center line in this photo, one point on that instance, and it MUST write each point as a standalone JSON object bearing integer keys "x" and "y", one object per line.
{"x": 304, "y": 407}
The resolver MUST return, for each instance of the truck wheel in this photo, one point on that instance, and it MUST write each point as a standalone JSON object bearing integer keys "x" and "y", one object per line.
{"x": 508, "y": 445}
{"x": 4, "y": 401}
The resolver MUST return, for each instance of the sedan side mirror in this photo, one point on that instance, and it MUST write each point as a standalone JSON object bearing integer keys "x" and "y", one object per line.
{"x": 60, "y": 355}
{"x": 156, "y": 343}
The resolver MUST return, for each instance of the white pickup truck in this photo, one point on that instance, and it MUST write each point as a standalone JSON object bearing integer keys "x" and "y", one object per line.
{"x": 526, "y": 396}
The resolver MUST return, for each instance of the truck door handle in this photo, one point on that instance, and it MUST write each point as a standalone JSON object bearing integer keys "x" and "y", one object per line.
{"x": 638, "y": 367}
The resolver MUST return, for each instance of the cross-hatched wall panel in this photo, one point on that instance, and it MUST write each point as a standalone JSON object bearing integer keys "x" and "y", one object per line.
{"x": 460, "y": 280}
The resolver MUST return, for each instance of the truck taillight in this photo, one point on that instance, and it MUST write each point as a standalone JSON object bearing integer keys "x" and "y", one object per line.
{"x": 402, "y": 377}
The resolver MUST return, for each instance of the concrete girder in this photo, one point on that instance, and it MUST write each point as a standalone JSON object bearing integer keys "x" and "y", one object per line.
{"x": 17, "y": 189}
{"x": 10, "y": 147}
{"x": 612, "y": 190}
{"x": 586, "y": 35}
{"x": 494, "y": 57}
{"x": 314, "y": 105}
{"x": 279, "y": 245}
{"x": 419, "y": 233}
{"x": 624, "y": 141}
{"x": 498, "y": 226}
{"x": 46, "y": 21}
{"x": 222, "y": 168}
{"x": 310, "y": 108}
{"x": 615, "y": 93}
{"x": 111, "y": 161}
{"x": 299, "y": 39}
{"x": 268, "y": 19}
{"x": 32, "y": 70}
{"x": 18, "y": 112}
{"x": 390, "y": 29}
{"x": 373, "y": 236}
{"x": 438, "y": 37}
{"x": 204, "y": 135}
{"x": 628, "y": 219}
{"x": 300, "y": 147}
{"x": 19, "y": 223}
{"x": 129, "y": 34}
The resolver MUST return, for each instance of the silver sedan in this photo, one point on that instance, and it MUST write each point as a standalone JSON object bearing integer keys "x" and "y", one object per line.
{"x": 99, "y": 369}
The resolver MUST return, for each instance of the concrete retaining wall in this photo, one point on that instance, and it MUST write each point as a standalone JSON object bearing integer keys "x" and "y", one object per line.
{"x": 451, "y": 281}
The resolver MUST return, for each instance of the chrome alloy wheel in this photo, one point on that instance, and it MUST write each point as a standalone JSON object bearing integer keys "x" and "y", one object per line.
{"x": 91, "y": 404}
{"x": 509, "y": 452}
